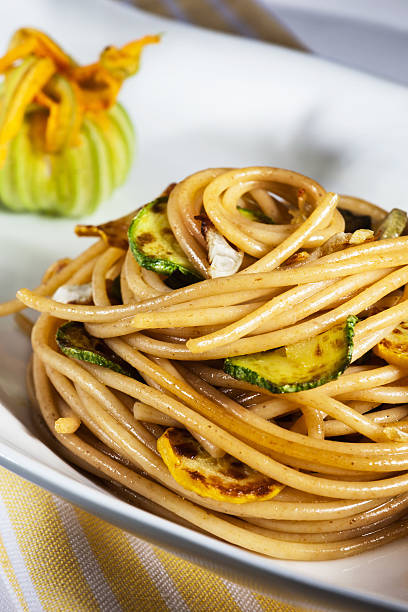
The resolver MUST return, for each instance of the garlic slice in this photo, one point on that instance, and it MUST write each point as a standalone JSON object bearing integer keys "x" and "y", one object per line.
{"x": 74, "y": 294}
{"x": 224, "y": 259}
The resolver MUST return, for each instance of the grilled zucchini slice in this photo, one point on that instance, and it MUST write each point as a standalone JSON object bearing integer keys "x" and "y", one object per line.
{"x": 153, "y": 243}
{"x": 75, "y": 342}
{"x": 393, "y": 225}
{"x": 300, "y": 366}
{"x": 394, "y": 348}
{"x": 224, "y": 479}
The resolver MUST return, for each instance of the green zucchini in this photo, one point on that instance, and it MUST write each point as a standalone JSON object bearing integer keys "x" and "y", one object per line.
{"x": 393, "y": 225}
{"x": 255, "y": 215}
{"x": 300, "y": 366}
{"x": 74, "y": 341}
{"x": 153, "y": 243}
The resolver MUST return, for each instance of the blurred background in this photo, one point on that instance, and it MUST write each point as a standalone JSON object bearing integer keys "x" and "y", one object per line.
{"x": 371, "y": 35}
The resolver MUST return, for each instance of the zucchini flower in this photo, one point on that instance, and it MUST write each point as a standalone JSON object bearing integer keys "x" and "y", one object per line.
{"x": 65, "y": 142}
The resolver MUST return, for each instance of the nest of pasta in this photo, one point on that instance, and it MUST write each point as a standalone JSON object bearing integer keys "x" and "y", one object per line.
{"x": 233, "y": 357}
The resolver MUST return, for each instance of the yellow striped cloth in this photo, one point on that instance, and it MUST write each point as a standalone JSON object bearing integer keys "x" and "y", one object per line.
{"x": 56, "y": 557}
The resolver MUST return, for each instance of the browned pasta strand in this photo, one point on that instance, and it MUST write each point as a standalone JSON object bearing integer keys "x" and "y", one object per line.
{"x": 285, "y": 309}
{"x": 228, "y": 226}
{"x": 391, "y": 415}
{"x": 319, "y": 324}
{"x": 100, "y": 271}
{"x": 367, "y": 517}
{"x": 184, "y": 205}
{"x": 312, "y": 273}
{"x": 132, "y": 274}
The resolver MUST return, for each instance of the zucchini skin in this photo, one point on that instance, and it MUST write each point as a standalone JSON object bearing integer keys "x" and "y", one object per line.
{"x": 240, "y": 372}
{"x": 72, "y": 339}
{"x": 255, "y": 215}
{"x": 222, "y": 479}
{"x": 160, "y": 264}
{"x": 393, "y": 225}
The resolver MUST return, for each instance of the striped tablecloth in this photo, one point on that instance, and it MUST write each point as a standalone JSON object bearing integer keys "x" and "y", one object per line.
{"x": 56, "y": 557}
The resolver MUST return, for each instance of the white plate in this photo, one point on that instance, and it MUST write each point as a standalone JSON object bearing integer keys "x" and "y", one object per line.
{"x": 204, "y": 99}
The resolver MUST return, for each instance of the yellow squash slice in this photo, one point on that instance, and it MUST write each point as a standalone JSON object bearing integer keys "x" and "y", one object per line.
{"x": 224, "y": 479}
{"x": 394, "y": 348}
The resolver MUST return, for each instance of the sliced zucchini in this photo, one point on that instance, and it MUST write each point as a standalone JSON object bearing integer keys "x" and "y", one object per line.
{"x": 74, "y": 341}
{"x": 223, "y": 479}
{"x": 393, "y": 225}
{"x": 255, "y": 215}
{"x": 300, "y": 366}
{"x": 355, "y": 222}
{"x": 153, "y": 244}
{"x": 394, "y": 348}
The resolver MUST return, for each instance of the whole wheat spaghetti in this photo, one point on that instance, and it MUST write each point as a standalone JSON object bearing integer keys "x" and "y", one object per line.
{"x": 151, "y": 377}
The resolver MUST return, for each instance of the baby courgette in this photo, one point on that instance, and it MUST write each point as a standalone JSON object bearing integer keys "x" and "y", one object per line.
{"x": 300, "y": 366}
{"x": 74, "y": 341}
{"x": 153, "y": 243}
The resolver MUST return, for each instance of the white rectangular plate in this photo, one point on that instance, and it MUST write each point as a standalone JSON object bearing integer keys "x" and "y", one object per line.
{"x": 204, "y": 99}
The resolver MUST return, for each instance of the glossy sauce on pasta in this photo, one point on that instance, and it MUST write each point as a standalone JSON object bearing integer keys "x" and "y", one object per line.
{"x": 341, "y": 449}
